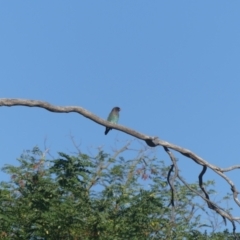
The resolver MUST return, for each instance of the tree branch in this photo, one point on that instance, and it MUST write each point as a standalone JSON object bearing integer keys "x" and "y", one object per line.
{"x": 151, "y": 141}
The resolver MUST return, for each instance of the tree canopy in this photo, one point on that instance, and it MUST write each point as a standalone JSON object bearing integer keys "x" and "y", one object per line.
{"x": 97, "y": 197}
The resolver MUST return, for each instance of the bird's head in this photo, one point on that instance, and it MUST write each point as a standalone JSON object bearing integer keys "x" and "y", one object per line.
{"x": 117, "y": 109}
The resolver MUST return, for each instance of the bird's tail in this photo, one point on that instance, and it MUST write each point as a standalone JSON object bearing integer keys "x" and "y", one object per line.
{"x": 107, "y": 130}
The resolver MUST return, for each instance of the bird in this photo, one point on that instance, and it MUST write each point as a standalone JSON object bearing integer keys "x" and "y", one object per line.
{"x": 113, "y": 118}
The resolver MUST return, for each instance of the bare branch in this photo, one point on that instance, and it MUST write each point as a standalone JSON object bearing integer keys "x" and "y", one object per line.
{"x": 174, "y": 166}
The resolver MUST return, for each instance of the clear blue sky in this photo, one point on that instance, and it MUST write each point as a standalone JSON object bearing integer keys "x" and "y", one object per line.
{"x": 172, "y": 67}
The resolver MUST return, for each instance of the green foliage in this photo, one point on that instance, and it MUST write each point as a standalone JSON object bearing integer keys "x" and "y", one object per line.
{"x": 101, "y": 197}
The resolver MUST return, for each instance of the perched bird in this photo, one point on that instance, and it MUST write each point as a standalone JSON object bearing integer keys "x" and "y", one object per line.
{"x": 113, "y": 118}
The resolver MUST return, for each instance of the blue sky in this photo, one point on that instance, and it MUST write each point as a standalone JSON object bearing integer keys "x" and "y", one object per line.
{"x": 172, "y": 67}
